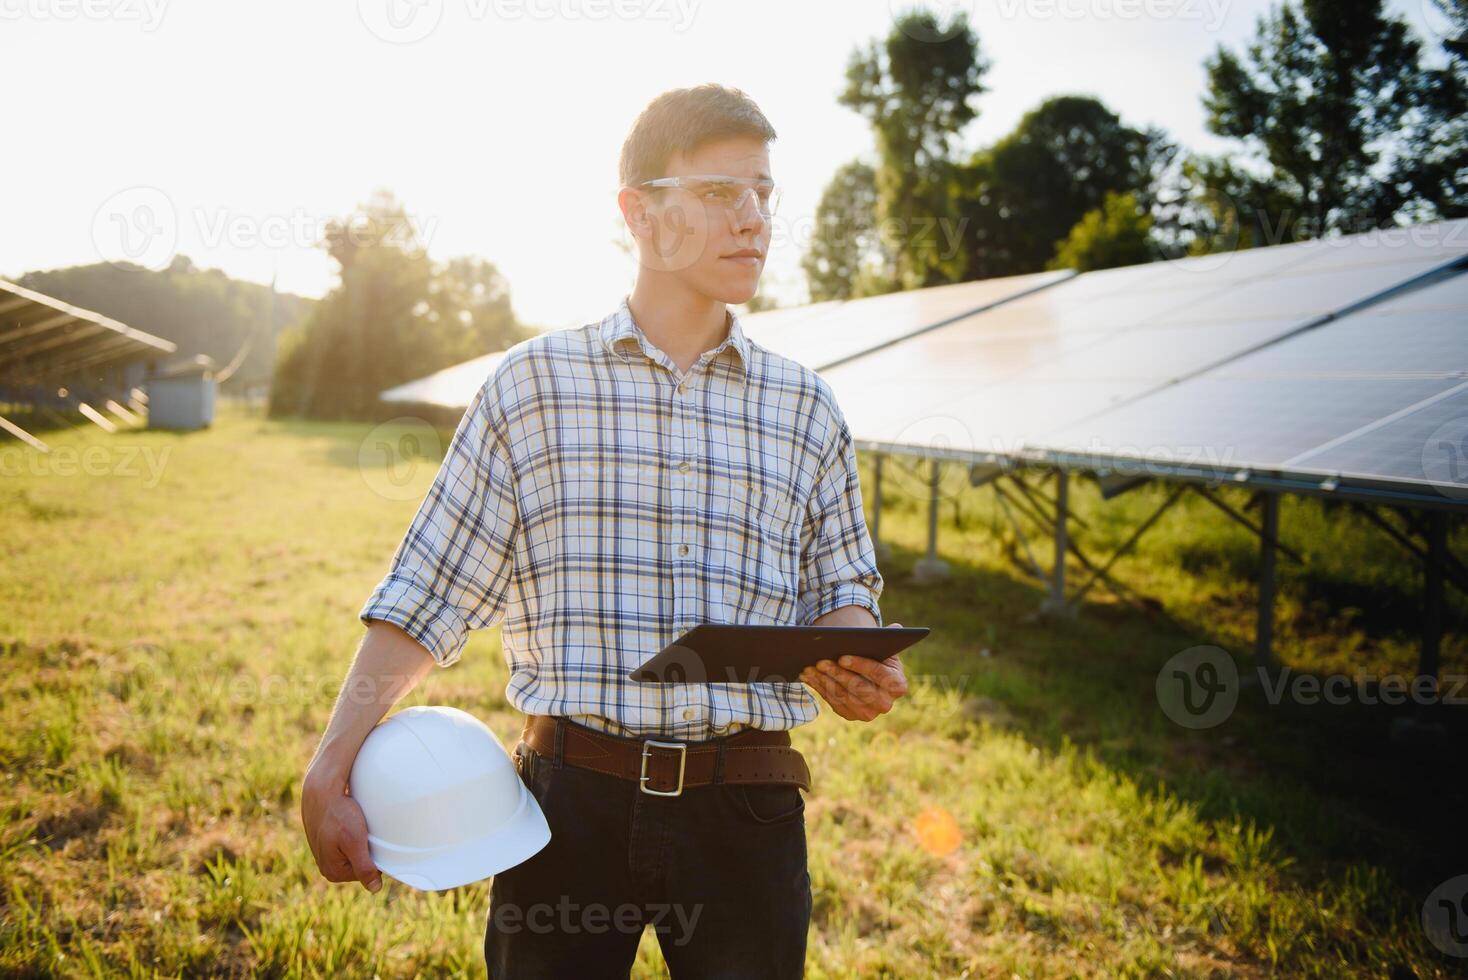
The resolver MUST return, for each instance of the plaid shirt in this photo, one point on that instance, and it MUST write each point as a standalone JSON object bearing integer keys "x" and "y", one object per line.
{"x": 602, "y": 504}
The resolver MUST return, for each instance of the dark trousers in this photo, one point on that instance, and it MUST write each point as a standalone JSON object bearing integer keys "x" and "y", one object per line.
{"x": 719, "y": 873}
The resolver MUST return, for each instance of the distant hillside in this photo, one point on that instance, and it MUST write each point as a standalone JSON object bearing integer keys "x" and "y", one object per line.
{"x": 203, "y": 311}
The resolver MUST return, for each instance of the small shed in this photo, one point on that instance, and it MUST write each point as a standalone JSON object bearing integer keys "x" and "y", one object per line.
{"x": 181, "y": 394}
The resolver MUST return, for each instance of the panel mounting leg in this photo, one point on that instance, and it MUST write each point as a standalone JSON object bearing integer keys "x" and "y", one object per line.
{"x": 1054, "y": 603}
{"x": 1264, "y": 629}
{"x": 930, "y": 567}
{"x": 1432, "y": 619}
{"x": 883, "y": 550}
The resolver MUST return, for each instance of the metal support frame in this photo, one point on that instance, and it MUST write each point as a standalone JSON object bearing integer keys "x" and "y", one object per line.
{"x": 883, "y": 550}
{"x": 1430, "y": 522}
{"x": 1440, "y": 567}
{"x": 930, "y": 567}
{"x": 1006, "y": 501}
{"x": 1289, "y": 552}
{"x": 1055, "y": 603}
{"x": 1430, "y": 657}
{"x": 1130, "y": 543}
{"x": 1268, "y": 540}
{"x": 1024, "y": 541}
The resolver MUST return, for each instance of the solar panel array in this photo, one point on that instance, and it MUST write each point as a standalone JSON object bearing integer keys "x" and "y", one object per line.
{"x": 1213, "y": 361}
{"x": 1357, "y": 397}
{"x": 44, "y": 341}
{"x": 816, "y": 335}
{"x": 1343, "y": 357}
{"x": 825, "y": 334}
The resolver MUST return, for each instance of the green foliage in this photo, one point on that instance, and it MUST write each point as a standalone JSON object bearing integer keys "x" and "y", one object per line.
{"x": 847, "y": 256}
{"x": 395, "y": 316}
{"x": 1455, "y": 34}
{"x": 1026, "y": 801}
{"x": 1117, "y": 233}
{"x": 915, "y": 87}
{"x": 1025, "y": 194}
{"x": 1342, "y": 127}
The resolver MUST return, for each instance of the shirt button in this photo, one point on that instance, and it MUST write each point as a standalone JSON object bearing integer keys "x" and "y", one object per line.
{"x": 683, "y": 467}
{"x": 687, "y": 714}
{"x": 683, "y": 549}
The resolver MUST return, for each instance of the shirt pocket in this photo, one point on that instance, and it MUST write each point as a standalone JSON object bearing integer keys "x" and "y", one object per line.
{"x": 761, "y": 551}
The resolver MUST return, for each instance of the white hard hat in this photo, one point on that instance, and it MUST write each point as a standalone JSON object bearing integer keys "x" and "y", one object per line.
{"x": 443, "y": 802}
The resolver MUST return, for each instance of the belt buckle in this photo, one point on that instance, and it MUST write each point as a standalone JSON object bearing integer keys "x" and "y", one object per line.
{"x": 682, "y": 764}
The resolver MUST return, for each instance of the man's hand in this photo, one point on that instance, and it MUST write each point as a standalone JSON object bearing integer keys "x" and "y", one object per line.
{"x": 387, "y": 666}
{"x": 337, "y": 833}
{"x": 857, "y": 688}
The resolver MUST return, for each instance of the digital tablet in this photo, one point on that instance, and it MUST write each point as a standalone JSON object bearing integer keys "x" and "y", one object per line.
{"x": 726, "y": 653}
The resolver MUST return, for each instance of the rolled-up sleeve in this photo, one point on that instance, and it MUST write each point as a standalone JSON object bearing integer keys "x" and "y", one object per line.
{"x": 452, "y": 571}
{"x": 838, "y": 563}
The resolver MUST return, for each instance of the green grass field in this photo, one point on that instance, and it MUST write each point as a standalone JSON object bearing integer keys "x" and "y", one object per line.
{"x": 178, "y": 610}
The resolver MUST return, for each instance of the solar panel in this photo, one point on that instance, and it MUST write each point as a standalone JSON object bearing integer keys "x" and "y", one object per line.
{"x": 1000, "y": 380}
{"x": 1426, "y": 442}
{"x": 816, "y": 334}
{"x": 453, "y": 387}
{"x": 826, "y": 333}
{"x": 1358, "y": 396}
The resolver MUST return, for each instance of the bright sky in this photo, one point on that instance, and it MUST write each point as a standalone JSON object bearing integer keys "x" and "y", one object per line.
{"x": 233, "y": 132}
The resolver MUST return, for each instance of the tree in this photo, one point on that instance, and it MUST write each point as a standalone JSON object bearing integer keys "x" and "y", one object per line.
{"x": 1023, "y": 195}
{"x": 914, "y": 88}
{"x": 203, "y": 311}
{"x": 847, "y": 257}
{"x": 394, "y": 317}
{"x": 1343, "y": 127}
{"x": 1455, "y": 33}
{"x": 1117, "y": 233}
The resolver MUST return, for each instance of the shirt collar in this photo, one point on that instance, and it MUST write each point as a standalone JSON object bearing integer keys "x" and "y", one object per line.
{"x": 620, "y": 329}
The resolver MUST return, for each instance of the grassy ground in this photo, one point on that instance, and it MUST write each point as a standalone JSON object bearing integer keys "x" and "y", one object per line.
{"x": 177, "y": 611}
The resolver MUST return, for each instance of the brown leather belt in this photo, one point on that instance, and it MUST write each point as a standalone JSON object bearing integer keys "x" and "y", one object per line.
{"x": 663, "y": 767}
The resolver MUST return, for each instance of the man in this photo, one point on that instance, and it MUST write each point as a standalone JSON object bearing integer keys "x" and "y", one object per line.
{"x": 609, "y": 488}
